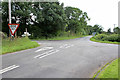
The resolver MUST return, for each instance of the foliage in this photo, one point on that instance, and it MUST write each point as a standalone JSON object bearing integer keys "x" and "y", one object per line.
{"x": 47, "y": 19}
{"x": 105, "y": 37}
{"x": 109, "y": 42}
{"x": 18, "y": 44}
{"x": 116, "y": 30}
{"x": 77, "y": 21}
{"x": 97, "y": 28}
{"x": 61, "y": 37}
{"x": 109, "y": 31}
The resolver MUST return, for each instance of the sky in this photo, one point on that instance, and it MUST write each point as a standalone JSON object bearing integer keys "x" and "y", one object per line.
{"x": 101, "y": 12}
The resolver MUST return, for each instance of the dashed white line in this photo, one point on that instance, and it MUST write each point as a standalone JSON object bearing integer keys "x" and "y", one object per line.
{"x": 46, "y": 54}
{"x": 8, "y": 69}
{"x": 66, "y": 46}
{"x": 45, "y": 48}
{"x": 63, "y": 45}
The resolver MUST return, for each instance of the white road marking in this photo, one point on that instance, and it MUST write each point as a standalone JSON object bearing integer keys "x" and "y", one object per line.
{"x": 46, "y": 54}
{"x": 63, "y": 45}
{"x": 66, "y": 46}
{"x": 39, "y": 43}
{"x": 8, "y": 69}
{"x": 45, "y": 48}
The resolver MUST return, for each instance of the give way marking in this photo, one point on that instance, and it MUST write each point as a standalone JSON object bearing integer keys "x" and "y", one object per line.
{"x": 45, "y": 48}
{"x": 8, "y": 68}
{"x": 46, "y": 54}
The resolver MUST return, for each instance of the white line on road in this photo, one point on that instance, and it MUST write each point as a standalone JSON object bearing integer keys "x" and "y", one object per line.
{"x": 8, "y": 69}
{"x": 63, "y": 45}
{"x": 46, "y": 54}
{"x": 66, "y": 46}
{"x": 45, "y": 48}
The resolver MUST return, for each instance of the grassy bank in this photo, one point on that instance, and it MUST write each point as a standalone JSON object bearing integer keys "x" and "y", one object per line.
{"x": 109, "y": 70}
{"x": 61, "y": 38}
{"x": 17, "y": 45}
{"x": 93, "y": 39}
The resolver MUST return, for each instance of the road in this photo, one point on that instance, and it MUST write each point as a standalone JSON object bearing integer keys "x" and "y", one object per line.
{"x": 76, "y": 58}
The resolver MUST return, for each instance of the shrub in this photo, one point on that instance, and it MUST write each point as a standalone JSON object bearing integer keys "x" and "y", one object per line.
{"x": 100, "y": 37}
{"x": 113, "y": 38}
{"x": 105, "y": 37}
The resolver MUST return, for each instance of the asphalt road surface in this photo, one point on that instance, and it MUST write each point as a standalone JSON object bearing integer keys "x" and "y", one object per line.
{"x": 77, "y": 58}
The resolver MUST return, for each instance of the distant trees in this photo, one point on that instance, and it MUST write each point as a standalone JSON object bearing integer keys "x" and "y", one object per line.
{"x": 97, "y": 28}
{"x": 77, "y": 20}
{"x": 109, "y": 31}
{"x": 47, "y": 19}
{"x": 116, "y": 30}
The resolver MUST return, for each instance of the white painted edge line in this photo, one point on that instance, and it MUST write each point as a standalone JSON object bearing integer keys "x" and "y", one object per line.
{"x": 45, "y": 48}
{"x": 8, "y": 69}
{"x": 46, "y": 54}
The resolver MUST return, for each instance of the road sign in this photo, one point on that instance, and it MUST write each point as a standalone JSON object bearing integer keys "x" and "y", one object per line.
{"x": 13, "y": 28}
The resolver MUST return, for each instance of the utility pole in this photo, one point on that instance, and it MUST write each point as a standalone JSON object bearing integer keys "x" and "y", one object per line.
{"x": 114, "y": 25}
{"x": 9, "y": 7}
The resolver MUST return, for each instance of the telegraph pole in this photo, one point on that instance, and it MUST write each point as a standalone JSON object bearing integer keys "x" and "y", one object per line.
{"x": 114, "y": 25}
{"x": 9, "y": 7}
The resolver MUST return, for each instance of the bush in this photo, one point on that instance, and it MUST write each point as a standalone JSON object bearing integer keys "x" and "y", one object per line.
{"x": 100, "y": 37}
{"x": 113, "y": 38}
{"x": 105, "y": 37}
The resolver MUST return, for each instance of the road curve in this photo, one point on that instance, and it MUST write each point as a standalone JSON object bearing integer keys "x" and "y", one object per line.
{"x": 76, "y": 58}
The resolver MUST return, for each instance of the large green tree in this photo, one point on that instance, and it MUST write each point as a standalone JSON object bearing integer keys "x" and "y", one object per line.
{"x": 97, "y": 28}
{"x": 50, "y": 18}
{"x": 47, "y": 19}
{"x": 77, "y": 20}
{"x": 20, "y": 13}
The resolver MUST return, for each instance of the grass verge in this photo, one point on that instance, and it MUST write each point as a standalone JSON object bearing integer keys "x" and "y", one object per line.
{"x": 62, "y": 38}
{"x": 93, "y": 39}
{"x": 17, "y": 45}
{"x": 110, "y": 70}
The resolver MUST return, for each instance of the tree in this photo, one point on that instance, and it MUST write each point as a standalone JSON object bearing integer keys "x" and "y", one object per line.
{"x": 97, "y": 28}
{"x": 51, "y": 18}
{"x": 77, "y": 20}
{"x": 116, "y": 30}
{"x": 20, "y": 13}
{"x": 109, "y": 31}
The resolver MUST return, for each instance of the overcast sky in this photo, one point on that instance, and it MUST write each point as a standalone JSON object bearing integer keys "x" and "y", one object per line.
{"x": 102, "y": 12}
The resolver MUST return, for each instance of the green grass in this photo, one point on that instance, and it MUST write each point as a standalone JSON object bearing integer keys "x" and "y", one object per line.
{"x": 17, "y": 45}
{"x": 110, "y": 71}
{"x": 62, "y": 38}
{"x": 93, "y": 39}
